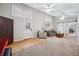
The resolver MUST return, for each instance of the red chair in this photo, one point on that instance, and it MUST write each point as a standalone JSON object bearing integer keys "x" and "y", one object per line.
{"x": 3, "y": 45}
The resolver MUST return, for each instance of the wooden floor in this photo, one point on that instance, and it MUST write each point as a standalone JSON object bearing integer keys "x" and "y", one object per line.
{"x": 52, "y": 46}
{"x": 24, "y": 42}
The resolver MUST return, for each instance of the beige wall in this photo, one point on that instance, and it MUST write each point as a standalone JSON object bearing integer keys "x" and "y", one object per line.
{"x": 6, "y": 10}
{"x": 77, "y": 30}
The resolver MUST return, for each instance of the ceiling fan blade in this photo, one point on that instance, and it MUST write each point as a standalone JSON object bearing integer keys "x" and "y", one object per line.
{"x": 51, "y": 6}
{"x": 44, "y": 10}
{"x": 53, "y": 9}
{"x": 45, "y": 6}
{"x": 48, "y": 10}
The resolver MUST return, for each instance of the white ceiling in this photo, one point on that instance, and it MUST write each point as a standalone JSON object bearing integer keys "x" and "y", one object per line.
{"x": 61, "y": 9}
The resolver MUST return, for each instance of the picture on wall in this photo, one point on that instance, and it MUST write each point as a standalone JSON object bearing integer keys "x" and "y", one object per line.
{"x": 28, "y": 25}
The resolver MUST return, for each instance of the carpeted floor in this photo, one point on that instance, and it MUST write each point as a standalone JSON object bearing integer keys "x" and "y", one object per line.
{"x": 50, "y": 47}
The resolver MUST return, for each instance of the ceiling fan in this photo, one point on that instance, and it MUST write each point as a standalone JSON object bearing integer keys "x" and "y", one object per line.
{"x": 48, "y": 7}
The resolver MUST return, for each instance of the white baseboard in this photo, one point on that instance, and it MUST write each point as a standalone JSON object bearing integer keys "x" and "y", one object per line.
{"x": 23, "y": 38}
